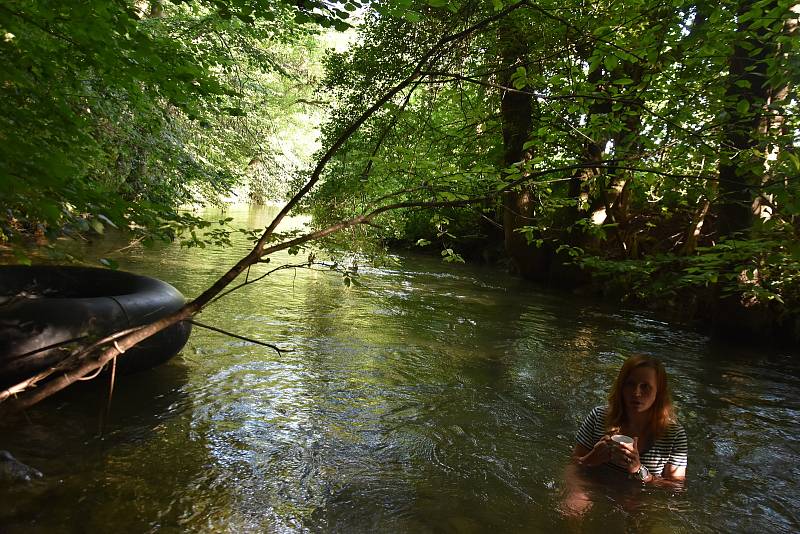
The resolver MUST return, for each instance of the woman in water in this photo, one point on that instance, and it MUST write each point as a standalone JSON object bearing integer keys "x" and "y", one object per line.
{"x": 640, "y": 407}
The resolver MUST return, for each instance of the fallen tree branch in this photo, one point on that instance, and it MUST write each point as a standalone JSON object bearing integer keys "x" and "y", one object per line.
{"x": 127, "y": 339}
{"x": 25, "y": 397}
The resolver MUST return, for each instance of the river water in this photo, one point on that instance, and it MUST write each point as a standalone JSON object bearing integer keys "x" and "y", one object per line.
{"x": 432, "y": 398}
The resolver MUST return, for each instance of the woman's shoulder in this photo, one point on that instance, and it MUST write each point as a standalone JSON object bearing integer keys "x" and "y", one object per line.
{"x": 675, "y": 432}
{"x": 599, "y": 412}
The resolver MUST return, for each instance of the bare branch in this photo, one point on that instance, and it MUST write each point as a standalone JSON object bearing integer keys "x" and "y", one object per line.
{"x": 64, "y": 365}
{"x": 243, "y": 338}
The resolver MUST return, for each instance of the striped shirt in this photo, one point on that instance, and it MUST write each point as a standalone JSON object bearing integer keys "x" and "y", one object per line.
{"x": 671, "y": 448}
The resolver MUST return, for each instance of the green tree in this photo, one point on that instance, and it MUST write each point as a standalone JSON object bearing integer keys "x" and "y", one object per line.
{"x": 118, "y": 113}
{"x": 615, "y": 126}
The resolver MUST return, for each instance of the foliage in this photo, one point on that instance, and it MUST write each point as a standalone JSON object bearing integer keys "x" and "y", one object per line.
{"x": 653, "y": 142}
{"x": 659, "y": 142}
{"x": 639, "y": 104}
{"x": 432, "y": 143}
{"x": 117, "y": 113}
{"x": 761, "y": 269}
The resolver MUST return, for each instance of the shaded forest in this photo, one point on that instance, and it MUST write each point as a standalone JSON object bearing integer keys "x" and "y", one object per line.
{"x": 641, "y": 150}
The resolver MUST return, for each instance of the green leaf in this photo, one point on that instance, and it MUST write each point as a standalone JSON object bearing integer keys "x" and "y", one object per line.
{"x": 610, "y": 62}
{"x": 595, "y": 63}
{"x": 520, "y": 78}
{"x": 97, "y": 226}
{"x": 742, "y": 106}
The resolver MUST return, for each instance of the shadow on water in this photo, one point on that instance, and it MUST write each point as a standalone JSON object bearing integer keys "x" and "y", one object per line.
{"x": 742, "y": 406}
{"x": 62, "y": 438}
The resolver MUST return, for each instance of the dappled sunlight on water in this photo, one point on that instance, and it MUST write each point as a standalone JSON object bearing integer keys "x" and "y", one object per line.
{"x": 435, "y": 398}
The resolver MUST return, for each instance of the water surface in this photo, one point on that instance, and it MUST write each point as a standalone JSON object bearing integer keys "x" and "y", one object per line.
{"x": 434, "y": 398}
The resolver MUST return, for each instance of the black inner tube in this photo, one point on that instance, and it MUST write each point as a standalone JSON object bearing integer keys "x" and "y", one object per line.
{"x": 45, "y": 308}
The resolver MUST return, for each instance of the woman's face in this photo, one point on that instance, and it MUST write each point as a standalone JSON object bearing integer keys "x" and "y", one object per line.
{"x": 639, "y": 390}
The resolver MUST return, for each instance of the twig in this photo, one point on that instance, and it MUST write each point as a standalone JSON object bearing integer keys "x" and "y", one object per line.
{"x": 304, "y": 265}
{"x": 237, "y": 336}
{"x": 64, "y": 364}
{"x": 48, "y": 347}
{"x": 130, "y": 245}
{"x": 247, "y": 280}
{"x": 365, "y": 173}
{"x": 105, "y": 417}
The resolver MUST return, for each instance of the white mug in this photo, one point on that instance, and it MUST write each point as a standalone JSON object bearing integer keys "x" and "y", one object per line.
{"x": 622, "y": 439}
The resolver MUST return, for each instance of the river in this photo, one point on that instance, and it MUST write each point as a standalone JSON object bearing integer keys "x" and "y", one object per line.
{"x": 431, "y": 398}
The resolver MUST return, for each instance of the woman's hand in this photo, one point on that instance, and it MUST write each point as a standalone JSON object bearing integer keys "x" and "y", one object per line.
{"x": 627, "y": 456}
{"x": 600, "y": 453}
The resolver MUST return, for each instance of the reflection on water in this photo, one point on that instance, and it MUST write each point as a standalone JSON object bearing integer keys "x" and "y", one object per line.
{"x": 437, "y": 398}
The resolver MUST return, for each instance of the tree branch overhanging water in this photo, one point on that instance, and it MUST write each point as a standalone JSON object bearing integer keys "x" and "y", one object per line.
{"x": 91, "y": 359}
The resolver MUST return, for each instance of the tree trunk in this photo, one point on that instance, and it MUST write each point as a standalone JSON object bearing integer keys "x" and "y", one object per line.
{"x": 695, "y": 228}
{"x": 580, "y": 183}
{"x": 773, "y": 127}
{"x": 516, "y": 114}
{"x": 742, "y": 167}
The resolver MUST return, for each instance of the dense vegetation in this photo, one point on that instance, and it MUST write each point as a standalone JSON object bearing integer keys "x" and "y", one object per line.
{"x": 117, "y": 113}
{"x": 649, "y": 149}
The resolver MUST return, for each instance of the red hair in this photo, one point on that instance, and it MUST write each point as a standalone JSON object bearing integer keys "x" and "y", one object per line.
{"x": 662, "y": 412}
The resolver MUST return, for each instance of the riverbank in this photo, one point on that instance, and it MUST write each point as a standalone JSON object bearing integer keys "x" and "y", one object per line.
{"x": 707, "y": 309}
